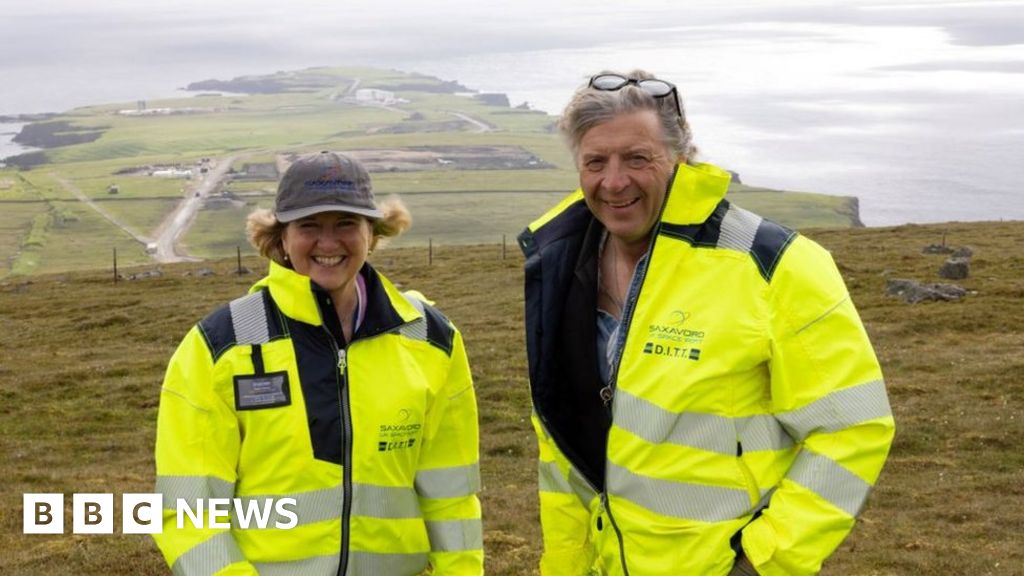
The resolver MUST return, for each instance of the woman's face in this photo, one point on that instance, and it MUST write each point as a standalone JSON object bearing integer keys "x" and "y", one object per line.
{"x": 329, "y": 247}
{"x": 624, "y": 172}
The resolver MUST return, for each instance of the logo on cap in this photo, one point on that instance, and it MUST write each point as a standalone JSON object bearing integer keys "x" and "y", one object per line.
{"x": 332, "y": 177}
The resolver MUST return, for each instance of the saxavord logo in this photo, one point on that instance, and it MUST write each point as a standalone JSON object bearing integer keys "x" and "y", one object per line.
{"x": 675, "y": 329}
{"x": 399, "y": 435}
{"x": 672, "y": 351}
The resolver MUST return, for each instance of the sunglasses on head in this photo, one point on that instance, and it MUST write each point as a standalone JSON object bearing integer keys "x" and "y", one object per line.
{"x": 653, "y": 86}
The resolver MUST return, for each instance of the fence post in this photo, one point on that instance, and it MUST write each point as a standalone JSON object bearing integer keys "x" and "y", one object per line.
{"x": 430, "y": 251}
{"x": 115, "y": 264}
{"x": 502, "y": 246}
{"x": 238, "y": 251}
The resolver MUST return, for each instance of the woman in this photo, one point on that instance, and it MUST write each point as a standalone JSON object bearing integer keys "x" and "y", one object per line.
{"x": 326, "y": 396}
{"x": 705, "y": 396}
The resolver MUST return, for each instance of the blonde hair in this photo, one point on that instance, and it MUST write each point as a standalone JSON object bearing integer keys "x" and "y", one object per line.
{"x": 264, "y": 231}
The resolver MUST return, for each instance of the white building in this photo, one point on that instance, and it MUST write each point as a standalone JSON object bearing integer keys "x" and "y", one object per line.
{"x": 375, "y": 96}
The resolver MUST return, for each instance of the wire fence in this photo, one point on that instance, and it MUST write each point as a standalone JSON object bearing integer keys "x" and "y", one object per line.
{"x": 431, "y": 251}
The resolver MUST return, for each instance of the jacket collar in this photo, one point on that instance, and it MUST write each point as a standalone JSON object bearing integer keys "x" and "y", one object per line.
{"x": 297, "y": 295}
{"x": 693, "y": 193}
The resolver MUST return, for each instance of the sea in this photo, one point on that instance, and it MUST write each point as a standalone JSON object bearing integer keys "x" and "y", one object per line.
{"x": 914, "y": 107}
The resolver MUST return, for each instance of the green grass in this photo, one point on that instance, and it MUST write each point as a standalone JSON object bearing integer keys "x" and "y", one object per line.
{"x": 83, "y": 360}
{"x": 142, "y": 216}
{"x": 220, "y": 233}
{"x": 797, "y": 209}
{"x": 84, "y": 242}
{"x": 257, "y": 128}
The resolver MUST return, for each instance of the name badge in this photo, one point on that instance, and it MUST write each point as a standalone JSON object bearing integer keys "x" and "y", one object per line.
{"x": 258, "y": 391}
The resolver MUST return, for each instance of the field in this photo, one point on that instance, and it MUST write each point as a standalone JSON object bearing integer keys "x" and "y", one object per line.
{"x": 82, "y": 360}
{"x": 471, "y": 171}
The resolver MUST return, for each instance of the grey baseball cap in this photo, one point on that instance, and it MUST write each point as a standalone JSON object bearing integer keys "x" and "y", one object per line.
{"x": 324, "y": 182}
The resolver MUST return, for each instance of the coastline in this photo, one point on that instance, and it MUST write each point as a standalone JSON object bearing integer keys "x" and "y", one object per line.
{"x": 8, "y": 147}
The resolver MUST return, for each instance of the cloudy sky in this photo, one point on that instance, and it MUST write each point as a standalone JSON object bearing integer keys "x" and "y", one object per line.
{"x": 67, "y": 51}
{"x": 913, "y": 106}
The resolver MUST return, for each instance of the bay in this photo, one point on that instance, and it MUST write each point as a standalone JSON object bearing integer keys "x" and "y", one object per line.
{"x": 913, "y": 107}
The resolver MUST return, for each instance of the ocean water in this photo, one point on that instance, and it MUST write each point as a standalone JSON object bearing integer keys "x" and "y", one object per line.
{"x": 913, "y": 107}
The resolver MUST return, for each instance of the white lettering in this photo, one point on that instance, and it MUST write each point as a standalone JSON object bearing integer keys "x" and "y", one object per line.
{"x": 246, "y": 514}
{"x": 279, "y": 506}
{"x": 219, "y": 508}
{"x": 144, "y": 513}
{"x": 195, "y": 515}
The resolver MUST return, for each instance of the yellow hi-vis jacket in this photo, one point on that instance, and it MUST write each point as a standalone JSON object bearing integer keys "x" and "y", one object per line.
{"x": 747, "y": 408}
{"x": 376, "y": 441}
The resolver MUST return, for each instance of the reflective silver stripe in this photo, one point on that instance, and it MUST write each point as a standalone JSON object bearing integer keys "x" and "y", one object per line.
{"x": 416, "y": 329}
{"x": 416, "y": 302}
{"x": 581, "y": 487}
{"x": 823, "y": 476}
{"x": 739, "y": 227}
{"x": 678, "y": 499}
{"x": 550, "y": 479}
{"x": 449, "y": 482}
{"x": 249, "y": 319}
{"x": 310, "y": 566}
{"x": 839, "y": 410}
{"x": 319, "y": 505}
{"x": 384, "y": 501}
{"x": 374, "y": 564}
{"x": 762, "y": 433}
{"x": 455, "y": 535}
{"x": 208, "y": 557}
{"x": 709, "y": 432}
{"x": 192, "y": 488}
{"x": 314, "y": 506}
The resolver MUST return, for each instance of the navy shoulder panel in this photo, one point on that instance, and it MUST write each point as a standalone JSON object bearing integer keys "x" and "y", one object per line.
{"x": 218, "y": 331}
{"x": 705, "y": 234}
{"x": 572, "y": 220}
{"x": 251, "y": 319}
{"x": 770, "y": 243}
{"x": 439, "y": 331}
{"x": 733, "y": 228}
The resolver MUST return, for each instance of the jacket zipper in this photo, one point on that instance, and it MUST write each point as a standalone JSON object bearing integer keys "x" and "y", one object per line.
{"x": 346, "y": 454}
{"x": 346, "y": 445}
{"x": 608, "y": 392}
{"x": 341, "y": 377}
{"x": 618, "y": 534}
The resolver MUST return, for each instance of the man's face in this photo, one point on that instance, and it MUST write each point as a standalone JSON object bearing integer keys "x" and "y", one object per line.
{"x": 624, "y": 172}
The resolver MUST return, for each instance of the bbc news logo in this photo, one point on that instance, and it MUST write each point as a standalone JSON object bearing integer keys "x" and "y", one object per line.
{"x": 143, "y": 513}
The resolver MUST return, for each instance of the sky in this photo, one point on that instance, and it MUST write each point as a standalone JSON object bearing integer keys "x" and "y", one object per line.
{"x": 921, "y": 97}
{"x": 60, "y": 51}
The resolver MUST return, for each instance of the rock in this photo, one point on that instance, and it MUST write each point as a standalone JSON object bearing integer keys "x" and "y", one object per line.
{"x": 144, "y": 275}
{"x": 913, "y": 292}
{"x": 955, "y": 269}
{"x": 203, "y": 272}
{"x": 963, "y": 252}
{"x": 937, "y": 249}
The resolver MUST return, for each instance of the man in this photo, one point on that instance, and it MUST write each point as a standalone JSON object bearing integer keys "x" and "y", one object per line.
{"x": 705, "y": 396}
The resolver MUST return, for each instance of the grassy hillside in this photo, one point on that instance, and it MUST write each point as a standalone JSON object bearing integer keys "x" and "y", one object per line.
{"x": 426, "y": 144}
{"x": 81, "y": 361}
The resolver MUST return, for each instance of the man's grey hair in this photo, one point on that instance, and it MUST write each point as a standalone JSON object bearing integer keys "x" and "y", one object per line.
{"x": 590, "y": 107}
